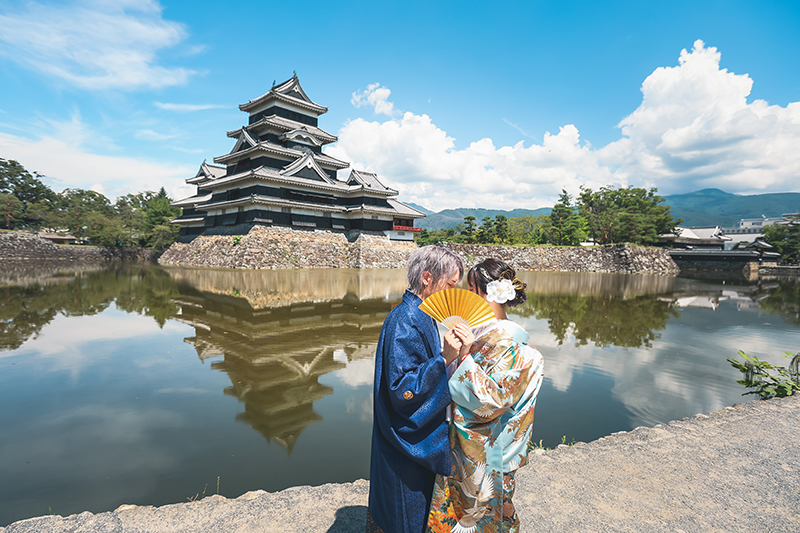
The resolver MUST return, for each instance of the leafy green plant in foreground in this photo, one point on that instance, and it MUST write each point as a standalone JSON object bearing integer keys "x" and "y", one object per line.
{"x": 768, "y": 380}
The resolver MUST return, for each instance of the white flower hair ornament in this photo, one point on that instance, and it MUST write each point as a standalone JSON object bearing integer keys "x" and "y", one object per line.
{"x": 500, "y": 291}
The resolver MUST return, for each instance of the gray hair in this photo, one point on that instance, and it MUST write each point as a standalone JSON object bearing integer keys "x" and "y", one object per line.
{"x": 440, "y": 262}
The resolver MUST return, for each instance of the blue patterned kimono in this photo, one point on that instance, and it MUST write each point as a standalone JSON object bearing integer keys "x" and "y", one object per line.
{"x": 410, "y": 434}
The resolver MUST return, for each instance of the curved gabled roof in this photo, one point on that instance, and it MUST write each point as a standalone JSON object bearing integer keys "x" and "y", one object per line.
{"x": 368, "y": 180}
{"x": 207, "y": 172}
{"x": 285, "y": 124}
{"x": 290, "y": 92}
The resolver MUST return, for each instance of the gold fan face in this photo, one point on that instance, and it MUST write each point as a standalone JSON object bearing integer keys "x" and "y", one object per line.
{"x": 452, "y": 306}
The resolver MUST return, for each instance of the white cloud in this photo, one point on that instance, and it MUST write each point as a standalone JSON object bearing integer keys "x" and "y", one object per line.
{"x": 694, "y": 129}
{"x": 94, "y": 44}
{"x": 357, "y": 373}
{"x": 413, "y": 155}
{"x": 64, "y": 158}
{"x": 65, "y": 342}
{"x": 377, "y": 97}
{"x": 186, "y": 107}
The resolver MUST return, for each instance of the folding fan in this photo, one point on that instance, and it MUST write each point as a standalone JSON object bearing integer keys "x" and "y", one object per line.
{"x": 453, "y": 306}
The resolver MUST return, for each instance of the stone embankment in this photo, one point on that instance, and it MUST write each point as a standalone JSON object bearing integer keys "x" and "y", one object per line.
{"x": 735, "y": 470}
{"x": 278, "y": 247}
{"x": 21, "y": 246}
{"x": 610, "y": 258}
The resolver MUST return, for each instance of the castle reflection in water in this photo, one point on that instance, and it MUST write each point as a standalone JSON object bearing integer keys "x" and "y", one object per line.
{"x": 107, "y": 386}
{"x": 274, "y": 333}
{"x": 278, "y": 332}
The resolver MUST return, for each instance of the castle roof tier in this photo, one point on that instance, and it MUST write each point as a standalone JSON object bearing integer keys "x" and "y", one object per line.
{"x": 288, "y": 95}
{"x": 277, "y": 174}
{"x": 283, "y": 126}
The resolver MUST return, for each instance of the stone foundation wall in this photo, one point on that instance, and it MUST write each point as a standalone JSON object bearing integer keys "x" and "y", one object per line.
{"x": 609, "y": 258}
{"x": 18, "y": 246}
{"x": 278, "y": 247}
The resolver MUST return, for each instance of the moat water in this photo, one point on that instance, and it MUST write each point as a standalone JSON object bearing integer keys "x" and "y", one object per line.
{"x": 144, "y": 385}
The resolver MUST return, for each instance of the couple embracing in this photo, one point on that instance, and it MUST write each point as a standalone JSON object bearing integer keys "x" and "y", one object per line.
{"x": 452, "y": 417}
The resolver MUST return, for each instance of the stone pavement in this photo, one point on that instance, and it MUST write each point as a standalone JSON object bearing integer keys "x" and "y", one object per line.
{"x": 734, "y": 470}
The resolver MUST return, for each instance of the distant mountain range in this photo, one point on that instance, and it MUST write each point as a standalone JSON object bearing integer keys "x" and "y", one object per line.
{"x": 713, "y": 207}
{"x": 708, "y": 207}
{"x": 449, "y": 218}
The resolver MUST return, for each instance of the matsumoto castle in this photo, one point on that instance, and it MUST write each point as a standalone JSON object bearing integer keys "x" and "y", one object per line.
{"x": 276, "y": 174}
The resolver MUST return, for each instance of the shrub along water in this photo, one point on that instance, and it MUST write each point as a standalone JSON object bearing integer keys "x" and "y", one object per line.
{"x": 768, "y": 380}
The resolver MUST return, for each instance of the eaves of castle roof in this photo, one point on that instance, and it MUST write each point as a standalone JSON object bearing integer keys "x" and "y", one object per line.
{"x": 269, "y": 147}
{"x": 289, "y": 92}
{"x": 285, "y": 125}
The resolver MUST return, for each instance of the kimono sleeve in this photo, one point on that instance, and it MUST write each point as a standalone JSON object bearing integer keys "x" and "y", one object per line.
{"x": 415, "y": 376}
{"x": 489, "y": 394}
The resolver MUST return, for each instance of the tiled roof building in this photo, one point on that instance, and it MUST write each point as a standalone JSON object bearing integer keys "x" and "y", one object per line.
{"x": 277, "y": 174}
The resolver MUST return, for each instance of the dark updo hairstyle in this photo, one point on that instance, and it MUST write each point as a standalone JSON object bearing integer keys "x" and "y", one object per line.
{"x": 492, "y": 269}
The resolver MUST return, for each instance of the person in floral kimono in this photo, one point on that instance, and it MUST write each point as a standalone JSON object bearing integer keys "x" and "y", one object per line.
{"x": 494, "y": 393}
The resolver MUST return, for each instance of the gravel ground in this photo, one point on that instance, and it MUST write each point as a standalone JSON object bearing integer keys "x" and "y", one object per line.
{"x": 734, "y": 470}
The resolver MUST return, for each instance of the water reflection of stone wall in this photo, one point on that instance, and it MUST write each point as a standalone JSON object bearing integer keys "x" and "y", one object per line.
{"x": 274, "y": 356}
{"x": 262, "y": 288}
{"x": 616, "y": 285}
{"x": 20, "y": 272}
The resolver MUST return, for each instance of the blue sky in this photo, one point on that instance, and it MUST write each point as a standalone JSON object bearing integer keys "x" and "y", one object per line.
{"x": 452, "y": 103}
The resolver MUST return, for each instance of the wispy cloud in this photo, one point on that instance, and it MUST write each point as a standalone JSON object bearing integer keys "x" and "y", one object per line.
{"x": 150, "y": 135}
{"x": 523, "y": 132}
{"x": 186, "y": 107}
{"x": 94, "y": 45}
{"x": 64, "y": 157}
{"x": 188, "y": 150}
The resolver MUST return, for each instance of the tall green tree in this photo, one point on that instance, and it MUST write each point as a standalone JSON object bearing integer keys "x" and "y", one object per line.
{"x": 130, "y": 212}
{"x": 529, "y": 229}
{"x": 27, "y": 188}
{"x": 501, "y": 233}
{"x": 160, "y": 233}
{"x": 469, "y": 229}
{"x": 785, "y": 237}
{"x": 632, "y": 214}
{"x": 11, "y": 210}
{"x": 567, "y": 226}
{"x": 485, "y": 234}
{"x": 84, "y": 212}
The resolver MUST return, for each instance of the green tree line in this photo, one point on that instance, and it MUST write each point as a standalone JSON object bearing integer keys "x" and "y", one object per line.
{"x": 26, "y": 309}
{"x": 785, "y": 237}
{"x": 141, "y": 219}
{"x": 606, "y": 216}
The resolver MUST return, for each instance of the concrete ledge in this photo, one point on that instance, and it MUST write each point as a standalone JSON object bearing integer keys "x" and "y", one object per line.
{"x": 735, "y": 470}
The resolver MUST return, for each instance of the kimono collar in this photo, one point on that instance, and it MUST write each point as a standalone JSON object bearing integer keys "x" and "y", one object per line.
{"x": 411, "y": 299}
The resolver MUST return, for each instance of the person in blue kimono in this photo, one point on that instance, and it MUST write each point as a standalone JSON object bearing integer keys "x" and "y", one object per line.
{"x": 410, "y": 442}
